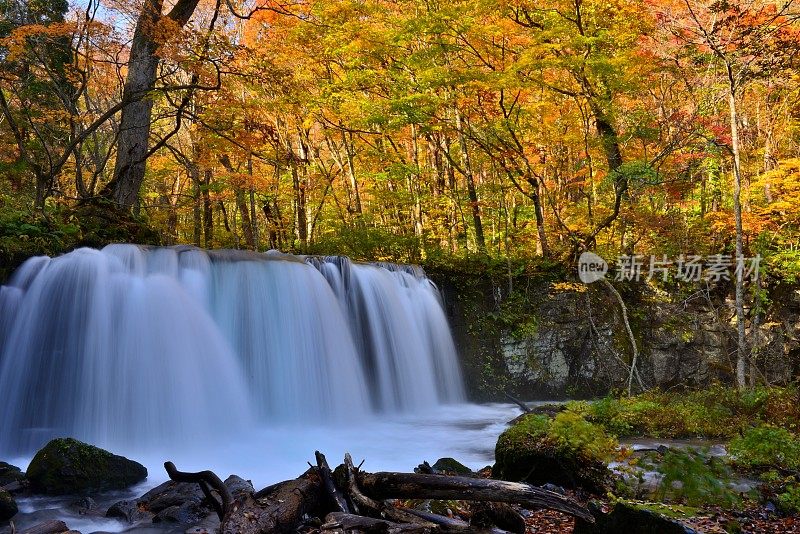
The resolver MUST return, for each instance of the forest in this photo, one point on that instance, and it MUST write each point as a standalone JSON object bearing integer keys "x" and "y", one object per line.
{"x": 263, "y": 179}
{"x": 401, "y": 130}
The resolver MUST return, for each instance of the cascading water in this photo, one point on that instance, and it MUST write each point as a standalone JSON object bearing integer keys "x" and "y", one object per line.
{"x": 152, "y": 346}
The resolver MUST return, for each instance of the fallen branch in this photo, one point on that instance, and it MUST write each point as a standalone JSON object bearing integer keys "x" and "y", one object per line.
{"x": 451, "y": 524}
{"x": 363, "y": 502}
{"x": 337, "y": 499}
{"x": 207, "y": 480}
{"x": 421, "y": 486}
{"x": 358, "y": 501}
{"x": 522, "y": 405}
{"x": 348, "y": 522}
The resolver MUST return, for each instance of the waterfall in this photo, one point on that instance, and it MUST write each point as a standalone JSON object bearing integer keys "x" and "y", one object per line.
{"x": 152, "y": 346}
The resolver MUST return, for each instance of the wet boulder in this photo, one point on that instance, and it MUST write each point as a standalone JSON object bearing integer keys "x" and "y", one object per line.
{"x": 10, "y": 474}
{"x": 451, "y": 466}
{"x": 8, "y": 506}
{"x": 129, "y": 511}
{"x": 174, "y": 502}
{"x": 68, "y": 466}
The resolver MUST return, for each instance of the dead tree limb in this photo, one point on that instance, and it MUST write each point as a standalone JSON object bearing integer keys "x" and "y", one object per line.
{"x": 363, "y": 502}
{"x": 453, "y": 525}
{"x": 522, "y": 405}
{"x": 420, "y": 486}
{"x": 633, "y": 372}
{"x": 338, "y": 500}
{"x": 207, "y": 480}
{"x": 359, "y": 523}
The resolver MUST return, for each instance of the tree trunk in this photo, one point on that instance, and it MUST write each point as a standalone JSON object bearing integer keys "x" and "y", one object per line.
{"x": 741, "y": 351}
{"x": 414, "y": 186}
{"x": 136, "y": 120}
{"x": 471, "y": 190}
{"x": 351, "y": 171}
{"x": 611, "y": 147}
{"x": 539, "y": 213}
{"x": 197, "y": 222}
{"x": 241, "y": 204}
{"x": 252, "y": 195}
{"x": 208, "y": 211}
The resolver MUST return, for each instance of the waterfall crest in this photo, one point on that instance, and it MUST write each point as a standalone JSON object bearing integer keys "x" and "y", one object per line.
{"x": 148, "y": 346}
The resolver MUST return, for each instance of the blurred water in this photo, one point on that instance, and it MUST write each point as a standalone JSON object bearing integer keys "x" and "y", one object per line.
{"x": 148, "y": 350}
{"x": 268, "y": 454}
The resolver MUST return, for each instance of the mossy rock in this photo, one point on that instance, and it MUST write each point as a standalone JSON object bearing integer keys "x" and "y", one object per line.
{"x": 8, "y": 506}
{"x": 632, "y": 518}
{"x": 451, "y": 466}
{"x": 529, "y": 452}
{"x": 68, "y": 466}
{"x": 101, "y": 222}
{"x": 10, "y": 473}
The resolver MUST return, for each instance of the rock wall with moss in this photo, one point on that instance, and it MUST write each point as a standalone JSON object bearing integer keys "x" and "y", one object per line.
{"x": 534, "y": 334}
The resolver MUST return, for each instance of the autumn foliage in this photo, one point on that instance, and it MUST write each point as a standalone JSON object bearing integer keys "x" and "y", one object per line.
{"x": 402, "y": 129}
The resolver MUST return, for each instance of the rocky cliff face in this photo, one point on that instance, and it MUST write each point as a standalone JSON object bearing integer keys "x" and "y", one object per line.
{"x": 539, "y": 337}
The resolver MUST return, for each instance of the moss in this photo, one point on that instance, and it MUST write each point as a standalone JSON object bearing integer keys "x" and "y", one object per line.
{"x": 567, "y": 451}
{"x": 717, "y": 412}
{"x": 672, "y": 511}
{"x": 451, "y": 466}
{"x": 636, "y": 517}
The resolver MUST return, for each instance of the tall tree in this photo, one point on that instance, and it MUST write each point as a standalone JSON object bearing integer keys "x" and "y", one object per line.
{"x": 152, "y": 29}
{"x": 747, "y": 40}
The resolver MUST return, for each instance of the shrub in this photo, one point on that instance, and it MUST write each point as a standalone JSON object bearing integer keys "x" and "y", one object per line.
{"x": 692, "y": 476}
{"x": 716, "y": 412}
{"x": 766, "y": 446}
{"x": 789, "y": 500}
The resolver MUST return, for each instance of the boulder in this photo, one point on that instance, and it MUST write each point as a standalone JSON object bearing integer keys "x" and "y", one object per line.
{"x": 450, "y": 466}
{"x": 174, "y": 502}
{"x": 130, "y": 512}
{"x": 526, "y": 452}
{"x": 68, "y": 466}
{"x": 52, "y": 526}
{"x": 9, "y": 474}
{"x": 8, "y": 506}
{"x": 170, "y": 502}
{"x": 631, "y": 518}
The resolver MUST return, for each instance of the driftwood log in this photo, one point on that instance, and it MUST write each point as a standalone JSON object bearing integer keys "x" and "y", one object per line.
{"x": 453, "y": 525}
{"x": 524, "y": 407}
{"x": 422, "y": 486}
{"x": 337, "y": 499}
{"x": 207, "y": 480}
{"x": 338, "y": 521}
{"x": 355, "y": 501}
